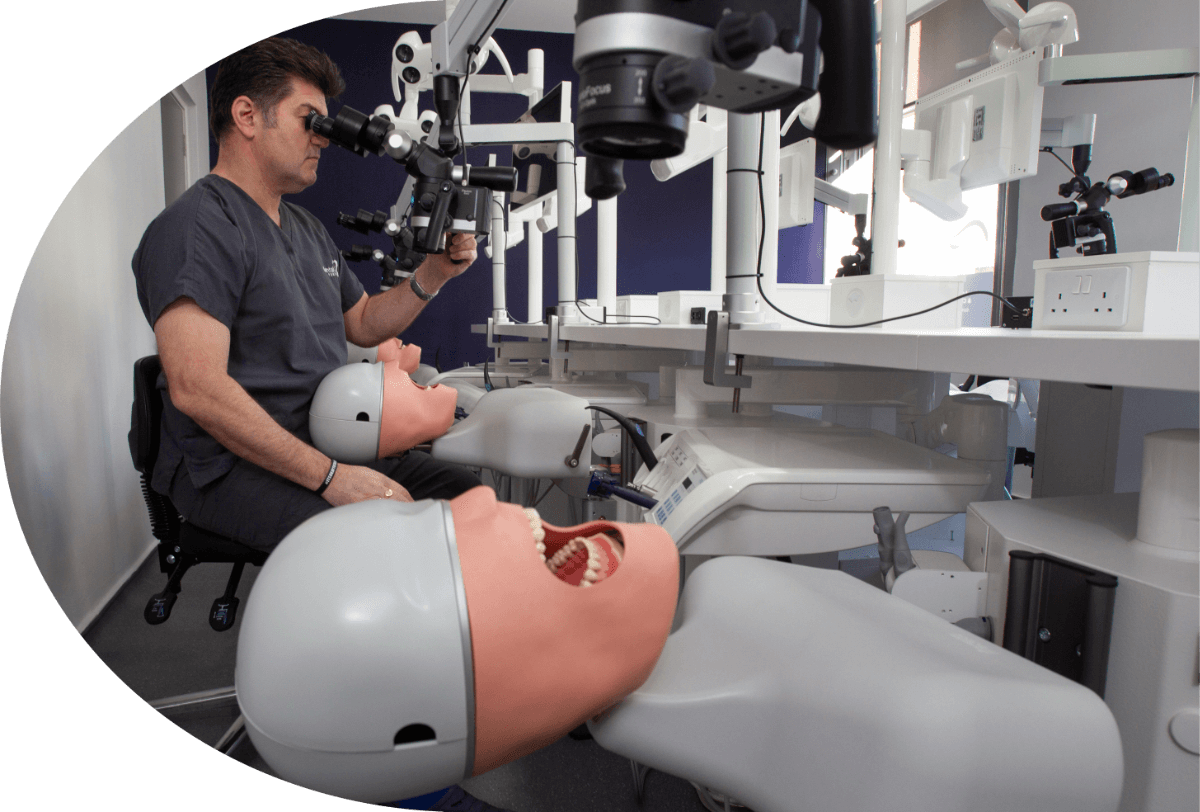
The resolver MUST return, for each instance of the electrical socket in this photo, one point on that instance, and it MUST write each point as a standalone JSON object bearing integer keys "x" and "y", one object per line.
{"x": 1088, "y": 298}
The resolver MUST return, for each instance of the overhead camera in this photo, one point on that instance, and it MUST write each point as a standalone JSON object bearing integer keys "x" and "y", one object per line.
{"x": 643, "y": 64}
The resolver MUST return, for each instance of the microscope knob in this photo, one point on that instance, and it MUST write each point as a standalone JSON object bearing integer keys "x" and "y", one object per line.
{"x": 679, "y": 82}
{"x": 427, "y": 201}
{"x": 789, "y": 40}
{"x": 738, "y": 38}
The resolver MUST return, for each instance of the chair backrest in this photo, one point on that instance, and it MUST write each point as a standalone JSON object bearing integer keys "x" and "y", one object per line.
{"x": 146, "y": 418}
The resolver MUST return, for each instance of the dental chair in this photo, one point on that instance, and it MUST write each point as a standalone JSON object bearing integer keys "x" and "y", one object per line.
{"x": 182, "y": 545}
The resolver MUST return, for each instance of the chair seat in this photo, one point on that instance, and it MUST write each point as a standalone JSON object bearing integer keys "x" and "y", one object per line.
{"x": 209, "y": 547}
{"x": 787, "y": 687}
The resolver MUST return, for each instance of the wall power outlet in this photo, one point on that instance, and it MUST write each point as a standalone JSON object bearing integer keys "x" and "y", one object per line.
{"x": 1152, "y": 292}
{"x": 1091, "y": 298}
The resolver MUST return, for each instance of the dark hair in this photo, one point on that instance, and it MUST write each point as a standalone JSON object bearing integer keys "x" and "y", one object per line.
{"x": 263, "y": 72}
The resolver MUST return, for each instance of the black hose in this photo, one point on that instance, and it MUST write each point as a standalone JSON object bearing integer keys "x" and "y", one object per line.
{"x": 639, "y": 442}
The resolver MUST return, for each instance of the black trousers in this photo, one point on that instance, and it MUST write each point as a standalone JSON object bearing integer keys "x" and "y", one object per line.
{"x": 258, "y": 508}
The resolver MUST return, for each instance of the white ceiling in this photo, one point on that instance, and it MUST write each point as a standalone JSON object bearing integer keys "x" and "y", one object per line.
{"x": 525, "y": 15}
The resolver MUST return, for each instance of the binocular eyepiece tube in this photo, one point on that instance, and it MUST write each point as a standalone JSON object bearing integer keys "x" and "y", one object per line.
{"x": 351, "y": 130}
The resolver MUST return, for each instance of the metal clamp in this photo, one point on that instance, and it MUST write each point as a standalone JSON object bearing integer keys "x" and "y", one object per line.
{"x": 555, "y": 352}
{"x": 716, "y": 349}
{"x": 491, "y": 335}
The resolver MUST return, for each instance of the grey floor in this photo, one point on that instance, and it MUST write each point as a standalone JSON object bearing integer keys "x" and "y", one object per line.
{"x": 184, "y": 655}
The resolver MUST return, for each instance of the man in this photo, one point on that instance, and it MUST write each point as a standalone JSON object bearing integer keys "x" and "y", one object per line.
{"x": 252, "y": 306}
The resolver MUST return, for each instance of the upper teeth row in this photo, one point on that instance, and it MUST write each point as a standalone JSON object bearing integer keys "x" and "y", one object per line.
{"x": 539, "y": 535}
{"x": 566, "y": 551}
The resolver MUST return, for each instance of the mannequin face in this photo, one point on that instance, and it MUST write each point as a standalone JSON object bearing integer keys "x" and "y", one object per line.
{"x": 412, "y": 414}
{"x": 565, "y": 621}
{"x": 409, "y": 355}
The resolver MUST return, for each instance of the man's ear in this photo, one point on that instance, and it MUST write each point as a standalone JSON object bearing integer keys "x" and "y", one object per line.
{"x": 247, "y": 118}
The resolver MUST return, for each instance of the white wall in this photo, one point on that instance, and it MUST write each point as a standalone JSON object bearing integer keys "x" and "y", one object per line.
{"x": 67, "y": 379}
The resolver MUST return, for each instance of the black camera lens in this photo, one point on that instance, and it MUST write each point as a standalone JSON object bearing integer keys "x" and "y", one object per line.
{"x": 411, "y": 75}
{"x": 404, "y": 53}
{"x": 619, "y": 116}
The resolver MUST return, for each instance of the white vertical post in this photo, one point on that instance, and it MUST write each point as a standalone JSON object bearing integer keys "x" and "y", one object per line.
{"x": 606, "y": 254}
{"x": 535, "y": 67}
{"x": 770, "y": 200}
{"x": 1189, "y": 216}
{"x": 568, "y": 310}
{"x": 498, "y": 239}
{"x": 720, "y": 163}
{"x": 885, "y": 205}
{"x": 741, "y": 254}
{"x": 533, "y": 238}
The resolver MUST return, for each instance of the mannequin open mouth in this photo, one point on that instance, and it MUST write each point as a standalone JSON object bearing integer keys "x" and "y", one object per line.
{"x": 578, "y": 561}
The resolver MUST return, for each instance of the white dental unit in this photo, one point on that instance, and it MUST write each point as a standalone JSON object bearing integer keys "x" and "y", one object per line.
{"x": 779, "y": 680}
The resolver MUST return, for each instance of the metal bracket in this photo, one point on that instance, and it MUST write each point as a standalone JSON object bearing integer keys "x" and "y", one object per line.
{"x": 491, "y": 335}
{"x": 555, "y": 352}
{"x": 716, "y": 349}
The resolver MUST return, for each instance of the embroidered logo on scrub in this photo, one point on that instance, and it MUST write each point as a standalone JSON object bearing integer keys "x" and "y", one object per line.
{"x": 331, "y": 270}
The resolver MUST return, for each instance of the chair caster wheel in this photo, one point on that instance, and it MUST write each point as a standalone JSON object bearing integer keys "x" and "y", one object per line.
{"x": 223, "y": 614}
{"x": 158, "y": 610}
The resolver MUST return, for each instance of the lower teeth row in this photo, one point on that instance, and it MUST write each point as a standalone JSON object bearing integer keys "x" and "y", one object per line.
{"x": 566, "y": 551}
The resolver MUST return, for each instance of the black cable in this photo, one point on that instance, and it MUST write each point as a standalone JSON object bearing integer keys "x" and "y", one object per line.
{"x": 762, "y": 293}
{"x": 545, "y": 493}
{"x": 578, "y": 262}
{"x": 1060, "y": 160}
{"x": 491, "y": 22}
{"x": 639, "y": 442}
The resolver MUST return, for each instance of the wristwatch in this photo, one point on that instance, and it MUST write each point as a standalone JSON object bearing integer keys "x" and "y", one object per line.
{"x": 422, "y": 294}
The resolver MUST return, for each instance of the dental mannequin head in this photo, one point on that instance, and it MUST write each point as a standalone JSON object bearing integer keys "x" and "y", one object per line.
{"x": 408, "y": 355}
{"x": 440, "y": 640}
{"x": 362, "y": 412}
{"x": 412, "y": 414}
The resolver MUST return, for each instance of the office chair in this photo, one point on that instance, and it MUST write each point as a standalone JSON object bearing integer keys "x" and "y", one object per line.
{"x": 182, "y": 545}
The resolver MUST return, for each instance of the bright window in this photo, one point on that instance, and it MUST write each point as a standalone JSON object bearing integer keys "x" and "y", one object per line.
{"x": 932, "y": 246}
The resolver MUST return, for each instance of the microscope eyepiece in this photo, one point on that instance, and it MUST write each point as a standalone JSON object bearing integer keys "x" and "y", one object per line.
{"x": 351, "y": 130}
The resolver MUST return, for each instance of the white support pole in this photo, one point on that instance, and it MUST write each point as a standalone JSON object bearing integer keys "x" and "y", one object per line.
{"x": 606, "y": 254}
{"x": 885, "y": 206}
{"x": 741, "y": 254}
{"x": 533, "y": 238}
{"x": 1189, "y": 216}
{"x": 720, "y": 163}
{"x": 770, "y": 200}
{"x": 498, "y": 239}
{"x": 568, "y": 310}
{"x": 535, "y": 67}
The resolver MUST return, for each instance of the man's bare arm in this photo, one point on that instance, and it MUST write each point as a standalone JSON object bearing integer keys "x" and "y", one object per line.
{"x": 194, "y": 348}
{"x": 375, "y": 319}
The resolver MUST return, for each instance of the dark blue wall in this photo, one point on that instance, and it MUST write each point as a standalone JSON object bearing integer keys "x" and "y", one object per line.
{"x": 664, "y": 229}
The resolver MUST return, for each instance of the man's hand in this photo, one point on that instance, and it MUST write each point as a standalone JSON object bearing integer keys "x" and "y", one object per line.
{"x": 357, "y": 483}
{"x": 458, "y": 247}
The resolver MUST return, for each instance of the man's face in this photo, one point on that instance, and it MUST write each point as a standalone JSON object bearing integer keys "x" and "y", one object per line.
{"x": 287, "y": 151}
